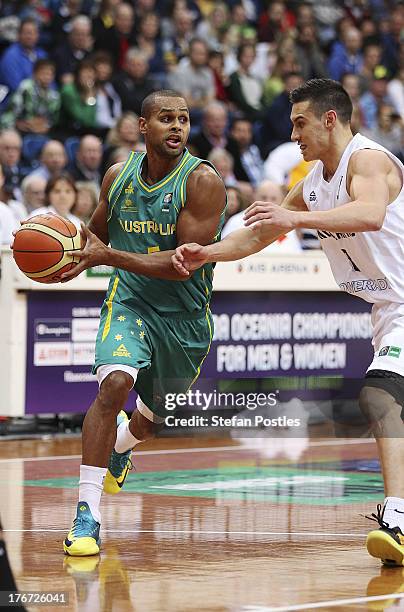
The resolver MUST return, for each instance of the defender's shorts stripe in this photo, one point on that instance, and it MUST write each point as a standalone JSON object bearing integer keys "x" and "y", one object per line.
{"x": 107, "y": 325}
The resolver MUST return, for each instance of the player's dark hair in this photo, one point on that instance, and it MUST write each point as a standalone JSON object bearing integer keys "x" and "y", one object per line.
{"x": 149, "y": 102}
{"x": 324, "y": 95}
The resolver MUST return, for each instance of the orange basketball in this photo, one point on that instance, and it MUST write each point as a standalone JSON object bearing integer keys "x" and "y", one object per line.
{"x": 45, "y": 246}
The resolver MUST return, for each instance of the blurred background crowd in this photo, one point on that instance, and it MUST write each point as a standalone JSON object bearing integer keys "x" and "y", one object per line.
{"x": 73, "y": 74}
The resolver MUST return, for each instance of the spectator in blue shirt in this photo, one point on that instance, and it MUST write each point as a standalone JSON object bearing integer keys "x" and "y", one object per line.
{"x": 17, "y": 62}
{"x": 346, "y": 57}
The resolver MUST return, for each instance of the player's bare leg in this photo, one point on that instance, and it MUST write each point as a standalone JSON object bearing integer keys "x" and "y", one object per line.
{"x": 99, "y": 433}
{"x": 143, "y": 426}
{"x": 384, "y": 414}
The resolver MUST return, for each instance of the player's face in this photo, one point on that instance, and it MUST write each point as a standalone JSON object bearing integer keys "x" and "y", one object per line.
{"x": 309, "y": 131}
{"x": 167, "y": 129}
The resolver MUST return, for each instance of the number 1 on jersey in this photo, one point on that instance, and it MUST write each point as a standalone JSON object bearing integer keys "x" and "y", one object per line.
{"x": 353, "y": 264}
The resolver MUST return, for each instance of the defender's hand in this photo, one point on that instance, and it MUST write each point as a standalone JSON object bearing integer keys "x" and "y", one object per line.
{"x": 93, "y": 253}
{"x": 189, "y": 257}
{"x": 265, "y": 213}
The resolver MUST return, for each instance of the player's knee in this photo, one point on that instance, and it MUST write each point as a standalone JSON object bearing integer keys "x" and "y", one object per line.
{"x": 375, "y": 403}
{"x": 114, "y": 391}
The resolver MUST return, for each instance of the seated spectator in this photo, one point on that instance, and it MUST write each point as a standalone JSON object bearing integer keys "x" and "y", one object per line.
{"x": 268, "y": 191}
{"x": 53, "y": 160}
{"x": 194, "y": 79}
{"x": 147, "y": 40}
{"x": 274, "y": 21}
{"x": 121, "y": 154}
{"x": 311, "y": 60}
{"x": 277, "y": 126}
{"x": 388, "y": 129}
{"x": 63, "y": 12}
{"x": 244, "y": 89}
{"x": 108, "y": 106}
{"x": 236, "y": 203}
{"x": 371, "y": 100}
{"x": 216, "y": 64}
{"x": 34, "y": 107}
{"x": 176, "y": 43}
{"x": 372, "y": 55}
{"x": 395, "y": 90}
{"x": 347, "y": 55}
{"x": 60, "y": 198}
{"x": 282, "y": 161}
{"x": 125, "y": 134}
{"x": 121, "y": 36}
{"x": 8, "y": 223}
{"x": 86, "y": 200}
{"x": 210, "y": 29}
{"x": 74, "y": 50}
{"x": 10, "y": 160}
{"x": 33, "y": 192}
{"x": 274, "y": 85}
{"x": 104, "y": 19}
{"x": 133, "y": 84}
{"x": 79, "y": 101}
{"x": 223, "y": 162}
{"x": 213, "y": 131}
{"x": 17, "y": 61}
{"x": 248, "y": 165}
{"x": 87, "y": 163}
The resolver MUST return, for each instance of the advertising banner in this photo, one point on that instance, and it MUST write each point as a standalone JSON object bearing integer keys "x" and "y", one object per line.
{"x": 257, "y": 335}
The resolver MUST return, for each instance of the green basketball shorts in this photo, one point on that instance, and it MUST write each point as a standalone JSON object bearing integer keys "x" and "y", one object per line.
{"x": 167, "y": 350}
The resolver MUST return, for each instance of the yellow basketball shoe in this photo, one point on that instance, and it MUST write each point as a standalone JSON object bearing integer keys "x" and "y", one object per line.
{"x": 386, "y": 543}
{"x": 119, "y": 465}
{"x": 83, "y": 538}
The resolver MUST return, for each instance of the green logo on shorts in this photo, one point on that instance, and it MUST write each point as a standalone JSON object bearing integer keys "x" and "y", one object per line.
{"x": 394, "y": 351}
{"x": 390, "y": 351}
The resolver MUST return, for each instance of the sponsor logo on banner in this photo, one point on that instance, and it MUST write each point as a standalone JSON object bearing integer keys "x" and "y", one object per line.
{"x": 83, "y": 353}
{"x": 52, "y": 353}
{"x": 47, "y": 329}
{"x": 84, "y": 330}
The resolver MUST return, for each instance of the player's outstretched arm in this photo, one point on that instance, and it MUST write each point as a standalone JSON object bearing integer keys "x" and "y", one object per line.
{"x": 266, "y": 223}
{"x": 368, "y": 176}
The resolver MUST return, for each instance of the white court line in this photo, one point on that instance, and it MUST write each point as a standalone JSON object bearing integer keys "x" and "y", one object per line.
{"x": 197, "y": 532}
{"x": 209, "y": 449}
{"x": 322, "y": 604}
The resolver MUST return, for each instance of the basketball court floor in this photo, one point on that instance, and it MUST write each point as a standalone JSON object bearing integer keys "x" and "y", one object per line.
{"x": 204, "y": 525}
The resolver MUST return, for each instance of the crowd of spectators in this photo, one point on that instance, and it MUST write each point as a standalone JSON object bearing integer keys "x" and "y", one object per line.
{"x": 73, "y": 74}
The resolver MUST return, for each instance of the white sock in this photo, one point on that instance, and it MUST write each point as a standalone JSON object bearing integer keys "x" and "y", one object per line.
{"x": 90, "y": 488}
{"x": 394, "y": 512}
{"x": 125, "y": 440}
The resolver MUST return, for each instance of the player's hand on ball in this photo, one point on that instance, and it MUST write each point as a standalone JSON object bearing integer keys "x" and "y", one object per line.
{"x": 189, "y": 257}
{"x": 260, "y": 214}
{"x": 93, "y": 253}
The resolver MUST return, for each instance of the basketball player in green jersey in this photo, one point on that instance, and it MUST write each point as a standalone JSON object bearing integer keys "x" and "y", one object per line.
{"x": 155, "y": 329}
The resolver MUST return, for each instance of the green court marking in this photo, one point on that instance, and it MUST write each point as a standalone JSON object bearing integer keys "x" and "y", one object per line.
{"x": 258, "y": 484}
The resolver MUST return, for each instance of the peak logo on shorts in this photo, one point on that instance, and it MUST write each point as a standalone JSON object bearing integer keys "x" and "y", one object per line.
{"x": 390, "y": 351}
{"x": 121, "y": 351}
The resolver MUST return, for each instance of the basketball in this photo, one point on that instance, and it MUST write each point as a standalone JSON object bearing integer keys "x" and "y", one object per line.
{"x": 45, "y": 247}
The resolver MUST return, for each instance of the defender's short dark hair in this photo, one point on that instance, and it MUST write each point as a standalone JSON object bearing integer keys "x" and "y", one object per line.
{"x": 324, "y": 95}
{"x": 150, "y": 100}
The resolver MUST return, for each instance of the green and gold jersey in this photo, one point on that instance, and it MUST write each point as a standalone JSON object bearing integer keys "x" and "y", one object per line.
{"x": 143, "y": 219}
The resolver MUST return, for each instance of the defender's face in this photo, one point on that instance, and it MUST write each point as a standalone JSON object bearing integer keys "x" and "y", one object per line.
{"x": 309, "y": 131}
{"x": 167, "y": 128}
